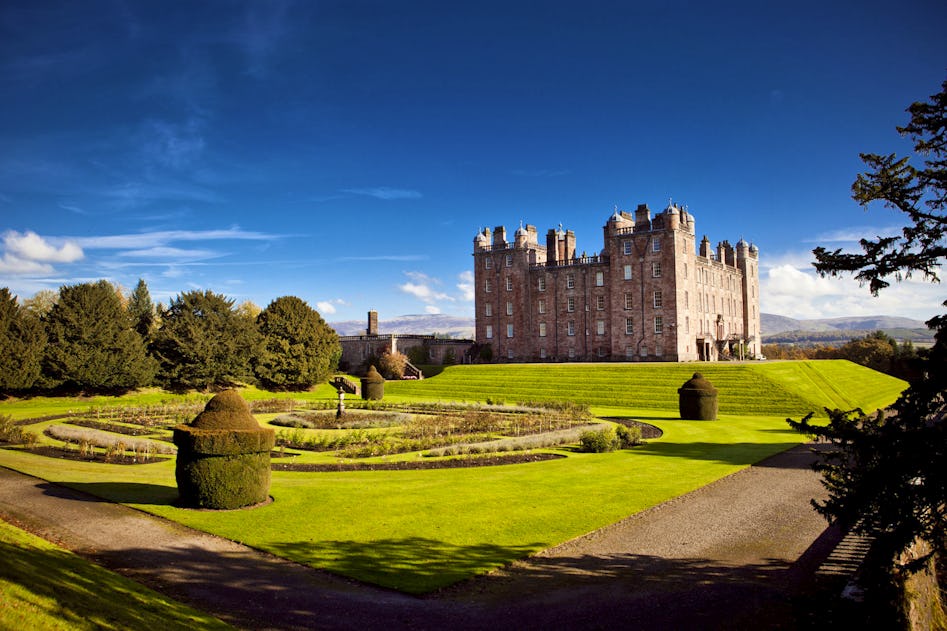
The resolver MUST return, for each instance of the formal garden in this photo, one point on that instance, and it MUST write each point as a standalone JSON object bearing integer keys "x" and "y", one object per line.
{"x": 447, "y": 477}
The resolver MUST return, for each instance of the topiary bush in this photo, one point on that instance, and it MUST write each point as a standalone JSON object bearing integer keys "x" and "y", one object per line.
{"x": 598, "y": 441}
{"x": 223, "y": 456}
{"x": 628, "y": 436}
{"x": 373, "y": 385}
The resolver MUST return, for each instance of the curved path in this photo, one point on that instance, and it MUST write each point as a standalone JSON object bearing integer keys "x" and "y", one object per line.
{"x": 730, "y": 555}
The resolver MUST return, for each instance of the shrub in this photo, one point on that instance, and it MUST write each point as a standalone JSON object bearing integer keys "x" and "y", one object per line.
{"x": 628, "y": 436}
{"x": 598, "y": 441}
{"x": 392, "y": 365}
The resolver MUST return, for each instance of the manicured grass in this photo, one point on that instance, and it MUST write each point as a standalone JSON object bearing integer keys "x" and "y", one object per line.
{"x": 417, "y": 531}
{"x": 43, "y": 586}
{"x": 770, "y": 388}
{"x": 420, "y": 530}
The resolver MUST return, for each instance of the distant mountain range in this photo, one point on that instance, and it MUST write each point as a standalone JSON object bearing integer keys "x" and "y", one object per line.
{"x": 771, "y": 324}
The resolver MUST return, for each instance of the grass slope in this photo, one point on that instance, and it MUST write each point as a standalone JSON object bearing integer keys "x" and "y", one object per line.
{"x": 43, "y": 586}
{"x": 772, "y": 388}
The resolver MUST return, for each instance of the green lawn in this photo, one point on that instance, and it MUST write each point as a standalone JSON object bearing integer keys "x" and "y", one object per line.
{"x": 43, "y": 586}
{"x": 417, "y": 531}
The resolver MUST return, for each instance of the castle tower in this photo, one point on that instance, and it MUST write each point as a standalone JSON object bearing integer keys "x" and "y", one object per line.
{"x": 372, "y": 323}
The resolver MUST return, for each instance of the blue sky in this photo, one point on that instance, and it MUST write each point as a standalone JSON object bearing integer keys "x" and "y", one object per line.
{"x": 348, "y": 152}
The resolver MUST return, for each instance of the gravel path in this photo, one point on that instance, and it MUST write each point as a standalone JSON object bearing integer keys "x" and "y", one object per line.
{"x": 730, "y": 555}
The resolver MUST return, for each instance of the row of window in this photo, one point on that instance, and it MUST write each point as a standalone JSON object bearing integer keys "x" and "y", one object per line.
{"x": 601, "y": 351}
{"x": 570, "y": 278}
{"x": 657, "y": 301}
{"x": 655, "y": 245}
{"x": 599, "y": 328}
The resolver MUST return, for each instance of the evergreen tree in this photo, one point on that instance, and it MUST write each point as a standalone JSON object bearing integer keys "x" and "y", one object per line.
{"x": 141, "y": 310}
{"x": 887, "y": 473}
{"x": 22, "y": 342}
{"x": 91, "y": 343}
{"x": 299, "y": 349}
{"x": 203, "y": 342}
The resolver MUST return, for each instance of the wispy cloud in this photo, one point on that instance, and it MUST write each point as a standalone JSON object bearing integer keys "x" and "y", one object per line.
{"x": 384, "y": 257}
{"x": 140, "y": 241}
{"x": 431, "y": 309}
{"x": 164, "y": 252}
{"x": 173, "y": 145}
{"x": 422, "y": 287}
{"x": 854, "y": 234}
{"x": 540, "y": 172}
{"x": 135, "y": 193}
{"x": 383, "y": 192}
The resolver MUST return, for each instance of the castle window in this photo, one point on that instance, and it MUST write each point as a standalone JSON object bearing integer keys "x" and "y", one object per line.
{"x": 571, "y": 304}
{"x": 542, "y": 283}
{"x": 628, "y": 300}
{"x": 687, "y": 324}
{"x": 542, "y": 353}
{"x": 509, "y": 353}
{"x": 685, "y": 300}
{"x": 601, "y": 352}
{"x": 600, "y": 327}
{"x": 509, "y": 283}
{"x": 509, "y": 308}
{"x": 626, "y": 247}
{"x": 488, "y": 309}
{"x": 629, "y": 351}
{"x": 570, "y": 327}
{"x": 570, "y": 281}
{"x": 509, "y": 330}
{"x": 541, "y": 305}
{"x": 489, "y": 332}
{"x": 486, "y": 285}
{"x": 542, "y": 329}
{"x": 658, "y": 325}
{"x": 599, "y": 279}
{"x": 487, "y": 263}
{"x": 571, "y": 353}
{"x": 658, "y": 299}
{"x": 656, "y": 244}
{"x": 685, "y": 271}
{"x": 656, "y": 269}
{"x": 508, "y": 261}
{"x": 627, "y": 272}
{"x": 600, "y": 303}
{"x": 629, "y": 326}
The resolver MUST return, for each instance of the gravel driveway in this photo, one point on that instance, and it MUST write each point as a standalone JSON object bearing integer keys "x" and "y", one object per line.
{"x": 730, "y": 555}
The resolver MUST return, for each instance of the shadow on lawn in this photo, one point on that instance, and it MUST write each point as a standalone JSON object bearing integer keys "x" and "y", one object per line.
{"x": 121, "y": 492}
{"x": 628, "y": 591}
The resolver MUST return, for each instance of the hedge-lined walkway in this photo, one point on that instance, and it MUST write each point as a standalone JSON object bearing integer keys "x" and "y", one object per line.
{"x": 729, "y": 555}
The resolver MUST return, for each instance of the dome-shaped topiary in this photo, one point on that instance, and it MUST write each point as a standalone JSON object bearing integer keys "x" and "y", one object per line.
{"x": 373, "y": 385}
{"x": 697, "y": 399}
{"x": 223, "y": 456}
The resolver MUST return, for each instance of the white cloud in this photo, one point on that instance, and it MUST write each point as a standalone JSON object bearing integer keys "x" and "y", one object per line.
{"x": 384, "y": 192}
{"x": 854, "y": 234}
{"x": 466, "y": 285}
{"x": 13, "y": 265}
{"x": 422, "y": 288}
{"x": 325, "y": 306}
{"x": 431, "y": 309}
{"x": 164, "y": 252}
{"x": 32, "y": 247}
{"x": 796, "y": 290}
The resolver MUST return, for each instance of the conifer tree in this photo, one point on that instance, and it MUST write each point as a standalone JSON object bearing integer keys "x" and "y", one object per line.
{"x": 299, "y": 349}
{"x": 141, "y": 310}
{"x": 887, "y": 473}
{"x": 91, "y": 343}
{"x": 203, "y": 342}
{"x": 22, "y": 342}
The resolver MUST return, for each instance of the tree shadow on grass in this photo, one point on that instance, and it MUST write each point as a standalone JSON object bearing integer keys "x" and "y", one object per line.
{"x": 625, "y": 590}
{"x": 728, "y": 453}
{"x": 121, "y": 492}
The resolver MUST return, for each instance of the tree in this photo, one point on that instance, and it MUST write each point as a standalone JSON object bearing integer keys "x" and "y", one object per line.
{"x": 392, "y": 365}
{"x": 22, "y": 342}
{"x": 203, "y": 342}
{"x": 41, "y": 303}
{"x": 249, "y": 310}
{"x": 91, "y": 343}
{"x": 887, "y": 473}
{"x": 141, "y": 310}
{"x": 299, "y": 349}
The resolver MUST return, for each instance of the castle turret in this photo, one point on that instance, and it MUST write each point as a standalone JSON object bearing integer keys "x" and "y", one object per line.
{"x": 705, "y": 250}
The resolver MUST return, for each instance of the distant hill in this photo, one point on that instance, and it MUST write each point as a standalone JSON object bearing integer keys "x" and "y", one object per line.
{"x": 421, "y": 324}
{"x": 780, "y": 329}
{"x": 772, "y": 324}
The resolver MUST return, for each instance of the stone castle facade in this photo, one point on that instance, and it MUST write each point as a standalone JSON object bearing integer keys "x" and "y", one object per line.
{"x": 652, "y": 294}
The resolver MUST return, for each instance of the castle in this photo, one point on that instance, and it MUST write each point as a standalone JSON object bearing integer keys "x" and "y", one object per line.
{"x": 651, "y": 294}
